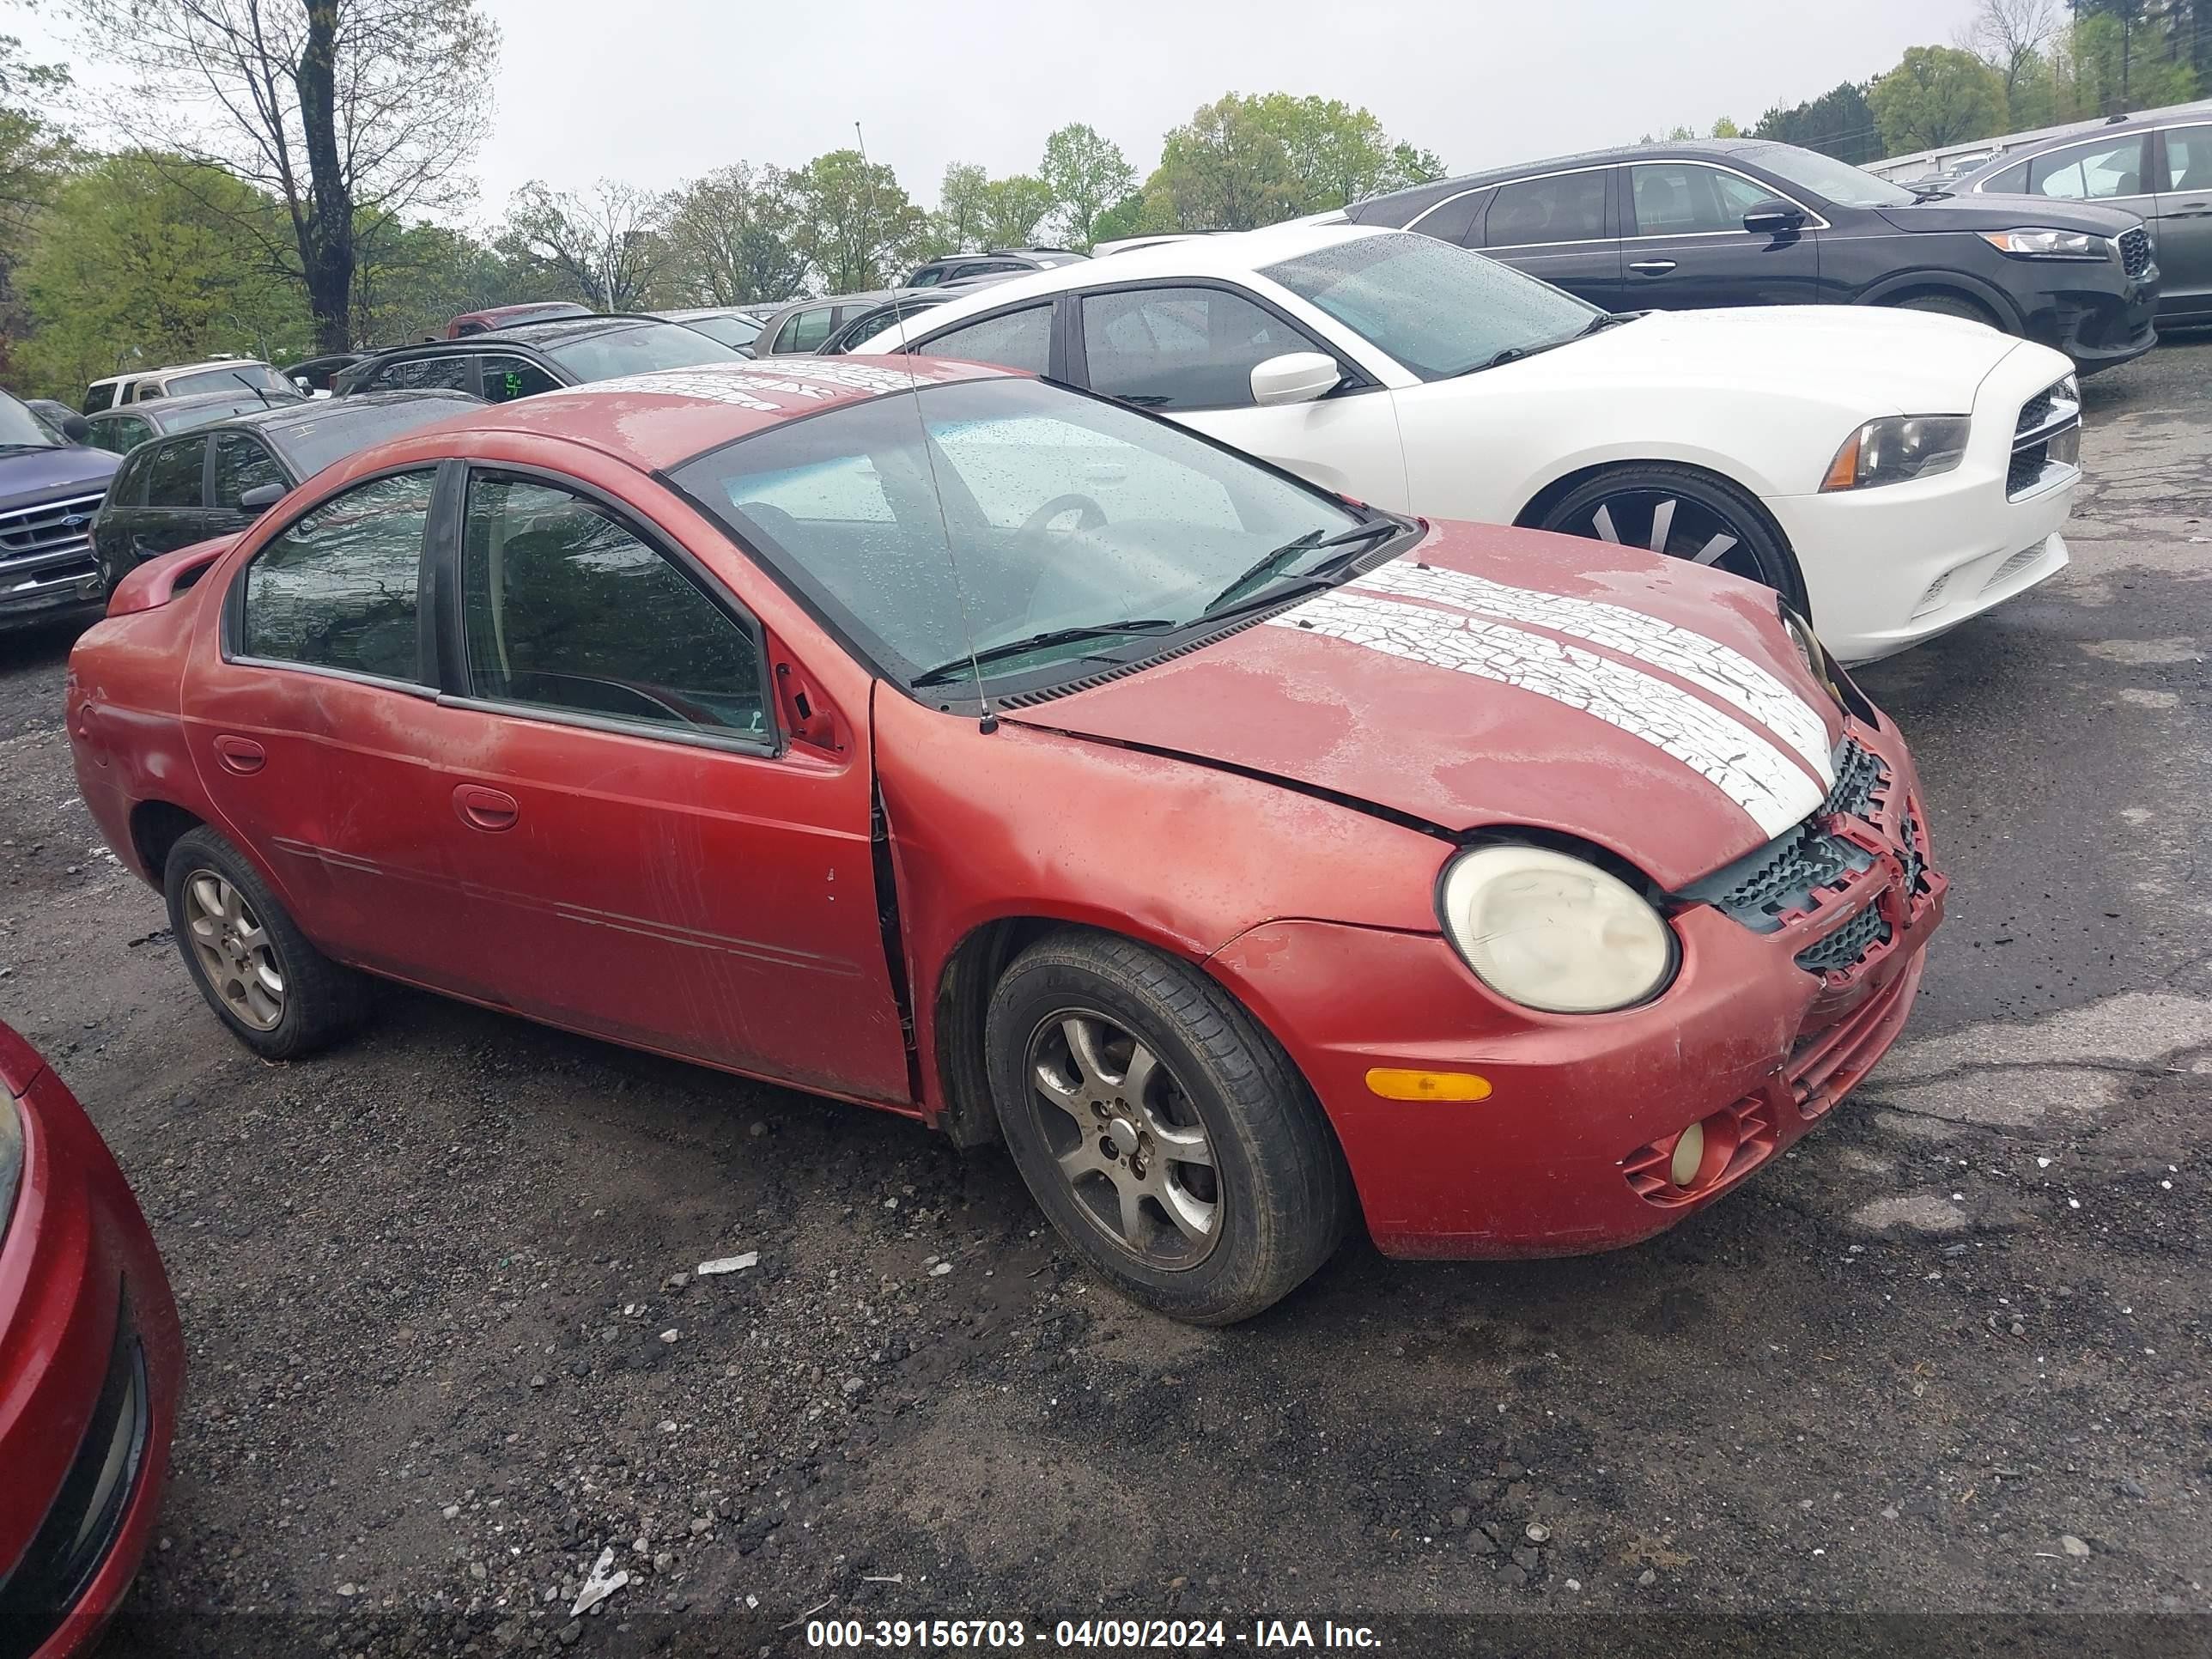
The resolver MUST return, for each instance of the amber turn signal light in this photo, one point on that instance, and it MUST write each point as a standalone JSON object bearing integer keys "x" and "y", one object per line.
{"x": 1392, "y": 1084}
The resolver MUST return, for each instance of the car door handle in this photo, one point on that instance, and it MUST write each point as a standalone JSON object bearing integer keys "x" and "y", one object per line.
{"x": 241, "y": 755}
{"x": 1652, "y": 267}
{"x": 485, "y": 809}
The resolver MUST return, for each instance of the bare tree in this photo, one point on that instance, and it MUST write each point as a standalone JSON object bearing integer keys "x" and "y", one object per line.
{"x": 336, "y": 108}
{"x": 2008, "y": 35}
{"x": 608, "y": 245}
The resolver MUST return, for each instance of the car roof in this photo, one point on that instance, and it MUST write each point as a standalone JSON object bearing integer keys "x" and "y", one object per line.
{"x": 552, "y": 332}
{"x": 665, "y": 416}
{"x": 1686, "y": 150}
{"x": 304, "y": 411}
{"x": 748, "y": 313}
{"x": 158, "y": 409}
{"x": 2175, "y": 115}
{"x": 158, "y": 370}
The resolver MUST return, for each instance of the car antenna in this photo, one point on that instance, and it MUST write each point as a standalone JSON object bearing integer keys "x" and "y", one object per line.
{"x": 989, "y": 722}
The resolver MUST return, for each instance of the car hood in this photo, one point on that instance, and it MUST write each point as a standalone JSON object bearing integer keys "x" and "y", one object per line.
{"x": 28, "y": 477}
{"x": 1874, "y": 359}
{"x": 1997, "y": 212}
{"x": 1507, "y": 678}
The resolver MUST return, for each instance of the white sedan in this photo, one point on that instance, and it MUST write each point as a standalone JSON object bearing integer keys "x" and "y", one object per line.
{"x": 1891, "y": 473}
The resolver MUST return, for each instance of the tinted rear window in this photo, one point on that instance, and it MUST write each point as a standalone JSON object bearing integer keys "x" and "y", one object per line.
{"x": 640, "y": 351}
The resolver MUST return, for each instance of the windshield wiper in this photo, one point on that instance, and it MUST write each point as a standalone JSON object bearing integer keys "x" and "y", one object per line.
{"x": 1513, "y": 354}
{"x": 1279, "y": 560}
{"x": 955, "y": 667}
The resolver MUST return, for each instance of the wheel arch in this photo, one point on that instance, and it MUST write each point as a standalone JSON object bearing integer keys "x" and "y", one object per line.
{"x": 1903, "y": 284}
{"x": 1558, "y": 489}
{"x": 156, "y": 827}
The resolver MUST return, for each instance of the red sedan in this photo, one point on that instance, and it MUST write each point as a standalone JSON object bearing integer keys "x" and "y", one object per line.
{"x": 90, "y": 1364}
{"x": 961, "y": 745}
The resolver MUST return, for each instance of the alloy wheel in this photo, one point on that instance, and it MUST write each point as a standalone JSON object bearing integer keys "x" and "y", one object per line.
{"x": 1126, "y": 1137}
{"x": 1673, "y": 524}
{"x": 234, "y": 950}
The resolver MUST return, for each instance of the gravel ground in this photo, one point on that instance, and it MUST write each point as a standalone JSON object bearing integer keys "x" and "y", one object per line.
{"x": 448, "y": 1344}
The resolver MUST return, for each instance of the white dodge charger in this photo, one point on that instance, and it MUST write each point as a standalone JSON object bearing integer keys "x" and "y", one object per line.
{"x": 1891, "y": 473}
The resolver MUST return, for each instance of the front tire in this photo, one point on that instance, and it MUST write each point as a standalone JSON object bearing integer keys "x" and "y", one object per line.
{"x": 279, "y": 995}
{"x": 1683, "y": 513}
{"x": 1949, "y": 305}
{"x": 1163, "y": 1132}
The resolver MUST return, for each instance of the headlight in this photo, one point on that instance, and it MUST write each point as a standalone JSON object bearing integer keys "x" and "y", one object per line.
{"x": 2048, "y": 244}
{"x": 2070, "y": 388}
{"x": 11, "y": 1157}
{"x": 1898, "y": 448}
{"x": 1554, "y": 933}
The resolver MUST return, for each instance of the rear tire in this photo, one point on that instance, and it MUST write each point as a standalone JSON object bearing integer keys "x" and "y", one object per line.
{"x": 279, "y": 995}
{"x": 1163, "y": 1132}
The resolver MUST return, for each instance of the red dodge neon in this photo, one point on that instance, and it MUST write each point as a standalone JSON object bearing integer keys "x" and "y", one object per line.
{"x": 90, "y": 1363}
{"x": 955, "y": 743}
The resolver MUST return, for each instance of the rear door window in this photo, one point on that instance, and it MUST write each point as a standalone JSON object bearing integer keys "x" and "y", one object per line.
{"x": 99, "y": 398}
{"x": 1566, "y": 207}
{"x": 121, "y": 434}
{"x": 338, "y": 588}
{"x": 2189, "y": 158}
{"x": 2093, "y": 172}
{"x": 507, "y": 378}
{"x": 1454, "y": 219}
{"x": 1019, "y": 339}
{"x": 242, "y": 463}
{"x": 807, "y": 331}
{"x": 175, "y": 479}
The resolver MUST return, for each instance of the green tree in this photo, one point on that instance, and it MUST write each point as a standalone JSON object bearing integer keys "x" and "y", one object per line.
{"x": 1013, "y": 209}
{"x": 1937, "y": 95}
{"x": 409, "y": 279}
{"x": 1137, "y": 214}
{"x": 33, "y": 158}
{"x": 1226, "y": 168}
{"x": 962, "y": 208}
{"x": 142, "y": 261}
{"x": 334, "y": 108}
{"x": 856, "y": 228}
{"x": 1838, "y": 123}
{"x": 2107, "y": 64}
{"x": 1725, "y": 128}
{"x": 1086, "y": 175}
{"x": 730, "y": 237}
{"x": 1337, "y": 155}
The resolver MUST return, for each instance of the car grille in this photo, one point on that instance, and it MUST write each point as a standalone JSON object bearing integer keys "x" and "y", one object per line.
{"x": 40, "y": 546}
{"x": 81, "y": 1524}
{"x": 2013, "y": 566}
{"x": 2046, "y": 439}
{"x": 2135, "y": 251}
{"x": 1813, "y": 867}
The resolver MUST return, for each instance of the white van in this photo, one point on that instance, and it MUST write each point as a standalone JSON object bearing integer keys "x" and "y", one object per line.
{"x": 178, "y": 379}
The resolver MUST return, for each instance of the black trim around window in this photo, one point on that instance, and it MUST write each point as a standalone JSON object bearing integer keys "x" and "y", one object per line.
{"x": 447, "y": 544}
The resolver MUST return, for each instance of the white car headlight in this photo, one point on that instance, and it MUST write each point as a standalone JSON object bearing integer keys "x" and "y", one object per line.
{"x": 2049, "y": 244}
{"x": 1898, "y": 448}
{"x": 1551, "y": 931}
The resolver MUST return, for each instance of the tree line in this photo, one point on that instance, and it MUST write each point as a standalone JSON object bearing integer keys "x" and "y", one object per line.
{"x": 2016, "y": 66}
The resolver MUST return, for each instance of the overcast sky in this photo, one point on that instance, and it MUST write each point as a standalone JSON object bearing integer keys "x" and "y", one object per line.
{"x": 657, "y": 91}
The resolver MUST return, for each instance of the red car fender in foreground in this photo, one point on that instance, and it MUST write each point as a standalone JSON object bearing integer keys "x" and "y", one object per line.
{"x": 91, "y": 1364}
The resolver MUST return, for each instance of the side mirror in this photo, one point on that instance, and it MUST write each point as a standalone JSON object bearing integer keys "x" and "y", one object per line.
{"x": 76, "y": 429}
{"x": 307, "y": 386}
{"x": 1296, "y": 377}
{"x": 1773, "y": 218}
{"x": 261, "y": 498}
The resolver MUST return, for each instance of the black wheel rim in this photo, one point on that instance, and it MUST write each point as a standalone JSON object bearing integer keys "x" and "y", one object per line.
{"x": 1679, "y": 526}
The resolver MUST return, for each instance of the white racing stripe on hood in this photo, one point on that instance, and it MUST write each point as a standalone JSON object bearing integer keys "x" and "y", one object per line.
{"x": 1770, "y": 788}
{"x": 1706, "y": 663}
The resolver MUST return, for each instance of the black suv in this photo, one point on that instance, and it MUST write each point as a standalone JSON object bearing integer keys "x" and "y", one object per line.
{"x": 528, "y": 358}
{"x": 1741, "y": 222}
{"x": 994, "y": 262}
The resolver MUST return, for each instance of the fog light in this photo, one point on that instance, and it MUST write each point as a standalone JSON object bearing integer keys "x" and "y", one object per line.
{"x": 1689, "y": 1156}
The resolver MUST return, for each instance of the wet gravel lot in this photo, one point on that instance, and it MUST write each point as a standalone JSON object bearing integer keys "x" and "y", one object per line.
{"x": 448, "y": 1345}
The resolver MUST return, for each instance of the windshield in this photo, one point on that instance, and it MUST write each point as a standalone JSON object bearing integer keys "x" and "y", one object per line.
{"x": 730, "y": 330}
{"x": 1439, "y": 310}
{"x": 20, "y": 429}
{"x": 1063, "y": 512}
{"x": 1825, "y": 176}
{"x": 354, "y": 423}
{"x": 230, "y": 379}
{"x": 639, "y": 350}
